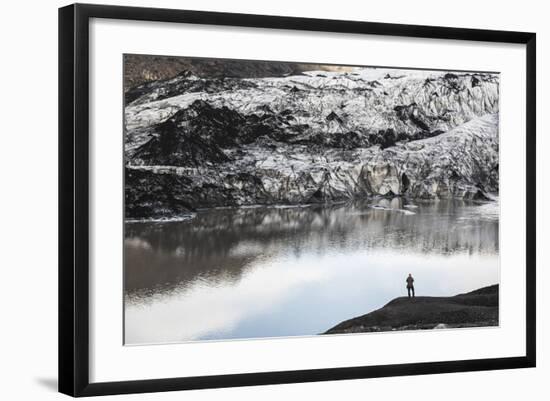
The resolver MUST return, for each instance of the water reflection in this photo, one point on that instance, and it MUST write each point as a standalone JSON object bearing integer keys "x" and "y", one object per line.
{"x": 270, "y": 271}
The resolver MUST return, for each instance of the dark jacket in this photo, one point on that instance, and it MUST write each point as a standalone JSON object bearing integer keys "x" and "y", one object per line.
{"x": 410, "y": 282}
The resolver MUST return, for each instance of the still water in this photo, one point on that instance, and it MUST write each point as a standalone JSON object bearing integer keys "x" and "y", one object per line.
{"x": 289, "y": 271}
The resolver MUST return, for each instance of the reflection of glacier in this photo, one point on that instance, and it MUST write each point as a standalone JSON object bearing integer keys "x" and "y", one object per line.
{"x": 285, "y": 271}
{"x": 218, "y": 245}
{"x": 280, "y": 271}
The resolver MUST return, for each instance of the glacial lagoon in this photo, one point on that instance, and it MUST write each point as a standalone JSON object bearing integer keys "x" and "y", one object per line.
{"x": 271, "y": 271}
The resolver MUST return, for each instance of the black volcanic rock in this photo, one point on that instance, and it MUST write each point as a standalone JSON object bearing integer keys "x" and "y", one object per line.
{"x": 198, "y": 133}
{"x": 149, "y": 195}
{"x": 476, "y": 308}
{"x": 176, "y": 144}
{"x": 161, "y": 193}
{"x": 164, "y": 192}
{"x": 348, "y": 140}
{"x": 414, "y": 114}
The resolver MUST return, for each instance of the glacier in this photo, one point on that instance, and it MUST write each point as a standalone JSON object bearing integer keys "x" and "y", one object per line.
{"x": 313, "y": 137}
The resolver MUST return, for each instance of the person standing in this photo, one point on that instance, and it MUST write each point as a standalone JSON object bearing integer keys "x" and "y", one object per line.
{"x": 410, "y": 285}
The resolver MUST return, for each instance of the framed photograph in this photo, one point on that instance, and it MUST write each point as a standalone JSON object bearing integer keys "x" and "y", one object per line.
{"x": 250, "y": 199}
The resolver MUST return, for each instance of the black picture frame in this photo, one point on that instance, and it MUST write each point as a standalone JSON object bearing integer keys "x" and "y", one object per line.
{"x": 74, "y": 198}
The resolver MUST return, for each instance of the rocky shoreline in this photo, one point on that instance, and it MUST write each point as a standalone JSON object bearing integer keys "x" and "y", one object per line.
{"x": 477, "y": 308}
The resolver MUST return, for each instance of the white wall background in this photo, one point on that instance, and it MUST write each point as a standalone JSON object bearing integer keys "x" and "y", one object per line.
{"x": 28, "y": 200}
